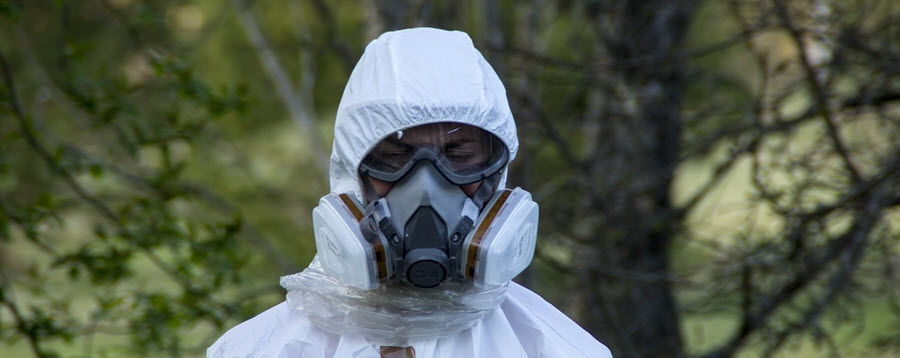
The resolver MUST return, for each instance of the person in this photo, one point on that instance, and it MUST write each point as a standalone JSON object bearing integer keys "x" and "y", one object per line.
{"x": 419, "y": 238}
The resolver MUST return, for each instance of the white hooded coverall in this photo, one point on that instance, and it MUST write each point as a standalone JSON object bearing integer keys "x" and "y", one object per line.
{"x": 404, "y": 79}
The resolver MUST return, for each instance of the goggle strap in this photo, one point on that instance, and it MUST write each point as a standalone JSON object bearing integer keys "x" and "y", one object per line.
{"x": 486, "y": 190}
{"x": 368, "y": 189}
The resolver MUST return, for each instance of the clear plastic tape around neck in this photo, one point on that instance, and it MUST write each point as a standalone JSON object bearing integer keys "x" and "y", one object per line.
{"x": 389, "y": 314}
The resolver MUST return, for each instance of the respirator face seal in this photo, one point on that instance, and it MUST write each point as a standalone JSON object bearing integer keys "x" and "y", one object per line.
{"x": 426, "y": 230}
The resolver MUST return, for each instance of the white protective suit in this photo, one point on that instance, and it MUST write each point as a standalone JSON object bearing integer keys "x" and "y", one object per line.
{"x": 404, "y": 79}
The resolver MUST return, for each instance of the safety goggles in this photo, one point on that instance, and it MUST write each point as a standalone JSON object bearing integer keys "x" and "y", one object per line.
{"x": 463, "y": 154}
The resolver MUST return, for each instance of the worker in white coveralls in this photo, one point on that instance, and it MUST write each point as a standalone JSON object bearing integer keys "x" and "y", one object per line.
{"x": 419, "y": 238}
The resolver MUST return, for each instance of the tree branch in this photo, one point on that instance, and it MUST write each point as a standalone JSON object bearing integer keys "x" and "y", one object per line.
{"x": 82, "y": 193}
{"x": 21, "y": 325}
{"x": 818, "y": 90}
{"x": 855, "y": 236}
{"x": 298, "y": 111}
{"x": 332, "y": 35}
{"x": 7, "y": 211}
{"x": 628, "y": 63}
{"x": 23, "y": 328}
{"x": 34, "y": 143}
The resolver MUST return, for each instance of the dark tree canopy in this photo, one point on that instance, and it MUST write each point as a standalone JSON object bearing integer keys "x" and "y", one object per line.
{"x": 716, "y": 178}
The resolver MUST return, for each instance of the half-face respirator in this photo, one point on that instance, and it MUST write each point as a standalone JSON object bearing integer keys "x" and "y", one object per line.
{"x": 427, "y": 230}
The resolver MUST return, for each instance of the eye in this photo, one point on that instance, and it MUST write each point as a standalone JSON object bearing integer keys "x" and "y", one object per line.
{"x": 395, "y": 157}
{"x": 394, "y": 154}
{"x": 390, "y": 153}
{"x": 458, "y": 155}
{"x": 462, "y": 151}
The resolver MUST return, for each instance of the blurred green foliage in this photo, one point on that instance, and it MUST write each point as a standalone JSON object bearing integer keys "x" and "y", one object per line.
{"x": 154, "y": 184}
{"x": 102, "y": 137}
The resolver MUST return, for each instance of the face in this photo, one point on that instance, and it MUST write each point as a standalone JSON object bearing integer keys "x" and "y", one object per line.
{"x": 463, "y": 146}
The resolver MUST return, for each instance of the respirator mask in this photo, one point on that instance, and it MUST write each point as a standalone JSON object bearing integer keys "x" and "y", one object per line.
{"x": 432, "y": 214}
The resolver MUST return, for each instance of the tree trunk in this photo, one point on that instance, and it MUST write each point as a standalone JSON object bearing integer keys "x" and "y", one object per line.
{"x": 628, "y": 302}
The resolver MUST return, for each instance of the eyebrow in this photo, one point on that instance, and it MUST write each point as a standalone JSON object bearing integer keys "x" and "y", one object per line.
{"x": 457, "y": 142}
{"x": 397, "y": 142}
{"x": 449, "y": 145}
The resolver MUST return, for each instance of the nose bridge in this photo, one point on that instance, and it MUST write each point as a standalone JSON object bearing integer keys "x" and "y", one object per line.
{"x": 425, "y": 186}
{"x": 426, "y": 175}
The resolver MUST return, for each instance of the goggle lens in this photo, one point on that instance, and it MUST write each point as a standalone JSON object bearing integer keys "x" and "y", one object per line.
{"x": 463, "y": 153}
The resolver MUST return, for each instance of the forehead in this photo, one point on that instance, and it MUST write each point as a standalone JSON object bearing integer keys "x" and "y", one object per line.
{"x": 429, "y": 133}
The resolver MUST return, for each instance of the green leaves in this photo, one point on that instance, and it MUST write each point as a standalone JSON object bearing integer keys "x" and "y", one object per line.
{"x": 157, "y": 320}
{"x": 97, "y": 199}
{"x": 106, "y": 265}
{"x": 11, "y": 10}
{"x": 181, "y": 78}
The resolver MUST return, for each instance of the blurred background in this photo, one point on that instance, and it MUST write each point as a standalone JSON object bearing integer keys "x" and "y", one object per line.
{"x": 717, "y": 178}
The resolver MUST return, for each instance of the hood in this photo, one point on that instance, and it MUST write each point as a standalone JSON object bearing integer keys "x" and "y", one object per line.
{"x": 411, "y": 77}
